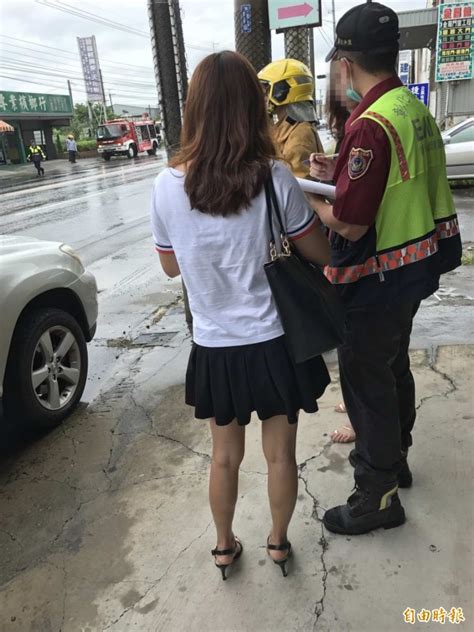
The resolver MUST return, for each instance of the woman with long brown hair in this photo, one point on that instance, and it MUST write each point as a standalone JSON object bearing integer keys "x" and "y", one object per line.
{"x": 210, "y": 225}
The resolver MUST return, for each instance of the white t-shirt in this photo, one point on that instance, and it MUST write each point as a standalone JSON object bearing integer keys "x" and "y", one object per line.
{"x": 221, "y": 258}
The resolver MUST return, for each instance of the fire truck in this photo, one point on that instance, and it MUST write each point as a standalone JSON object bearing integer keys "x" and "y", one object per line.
{"x": 128, "y": 137}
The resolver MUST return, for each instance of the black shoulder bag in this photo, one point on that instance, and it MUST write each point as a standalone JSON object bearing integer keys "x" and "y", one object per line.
{"x": 311, "y": 312}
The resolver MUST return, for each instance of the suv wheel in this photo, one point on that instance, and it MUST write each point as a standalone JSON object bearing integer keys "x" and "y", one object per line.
{"x": 47, "y": 368}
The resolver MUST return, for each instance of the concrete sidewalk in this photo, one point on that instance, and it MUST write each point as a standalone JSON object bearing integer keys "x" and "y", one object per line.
{"x": 105, "y": 524}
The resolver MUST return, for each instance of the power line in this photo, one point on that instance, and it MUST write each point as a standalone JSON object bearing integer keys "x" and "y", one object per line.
{"x": 39, "y": 55}
{"x": 118, "y": 90}
{"x": 94, "y": 17}
{"x": 26, "y": 67}
{"x": 66, "y": 52}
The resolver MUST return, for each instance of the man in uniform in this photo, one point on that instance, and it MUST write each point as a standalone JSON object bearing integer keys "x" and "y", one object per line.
{"x": 289, "y": 88}
{"x": 394, "y": 231}
{"x": 35, "y": 155}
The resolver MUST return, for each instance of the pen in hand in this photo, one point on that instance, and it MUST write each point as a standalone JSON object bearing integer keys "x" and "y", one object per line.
{"x": 331, "y": 156}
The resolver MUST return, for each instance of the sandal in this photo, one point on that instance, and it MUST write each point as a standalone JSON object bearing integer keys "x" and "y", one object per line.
{"x": 280, "y": 547}
{"x": 345, "y": 435}
{"x": 236, "y": 552}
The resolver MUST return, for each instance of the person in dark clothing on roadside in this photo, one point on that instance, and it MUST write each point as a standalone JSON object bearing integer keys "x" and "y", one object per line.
{"x": 36, "y": 155}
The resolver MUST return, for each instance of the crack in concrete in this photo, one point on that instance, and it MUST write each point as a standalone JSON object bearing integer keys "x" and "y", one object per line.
{"x": 432, "y": 363}
{"x": 159, "y": 435}
{"x": 13, "y": 538}
{"x": 323, "y": 542}
{"x": 253, "y": 472}
{"x": 432, "y": 359}
{"x": 63, "y": 617}
{"x": 155, "y": 584}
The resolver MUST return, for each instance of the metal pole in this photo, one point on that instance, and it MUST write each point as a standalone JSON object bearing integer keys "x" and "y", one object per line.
{"x": 110, "y": 99}
{"x": 312, "y": 60}
{"x": 91, "y": 115}
{"x": 170, "y": 66}
{"x": 169, "y": 60}
{"x": 70, "y": 93}
{"x": 297, "y": 45}
{"x": 253, "y": 37}
{"x": 104, "y": 103}
{"x": 333, "y": 4}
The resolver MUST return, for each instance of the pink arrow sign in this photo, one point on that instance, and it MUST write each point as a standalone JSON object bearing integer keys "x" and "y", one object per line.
{"x": 296, "y": 11}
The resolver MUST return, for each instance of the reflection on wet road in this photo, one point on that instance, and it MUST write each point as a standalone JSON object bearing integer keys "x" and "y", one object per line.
{"x": 90, "y": 204}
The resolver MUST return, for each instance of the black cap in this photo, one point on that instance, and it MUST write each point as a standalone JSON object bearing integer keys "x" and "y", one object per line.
{"x": 370, "y": 27}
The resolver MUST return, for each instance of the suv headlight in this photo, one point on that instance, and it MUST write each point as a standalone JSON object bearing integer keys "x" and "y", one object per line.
{"x": 71, "y": 253}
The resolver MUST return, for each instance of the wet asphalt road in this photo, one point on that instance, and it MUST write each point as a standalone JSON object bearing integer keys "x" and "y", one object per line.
{"x": 91, "y": 205}
{"x": 101, "y": 209}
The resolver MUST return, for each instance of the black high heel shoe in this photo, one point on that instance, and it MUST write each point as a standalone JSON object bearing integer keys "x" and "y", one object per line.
{"x": 280, "y": 547}
{"x": 236, "y": 552}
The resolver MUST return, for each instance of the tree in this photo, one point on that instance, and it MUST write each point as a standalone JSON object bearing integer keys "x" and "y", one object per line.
{"x": 81, "y": 125}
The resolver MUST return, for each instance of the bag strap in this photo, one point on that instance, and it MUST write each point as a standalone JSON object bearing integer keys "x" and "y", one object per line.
{"x": 269, "y": 211}
{"x": 273, "y": 208}
{"x": 276, "y": 206}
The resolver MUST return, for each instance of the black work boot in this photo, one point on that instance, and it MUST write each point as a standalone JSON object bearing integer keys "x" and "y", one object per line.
{"x": 368, "y": 508}
{"x": 405, "y": 477}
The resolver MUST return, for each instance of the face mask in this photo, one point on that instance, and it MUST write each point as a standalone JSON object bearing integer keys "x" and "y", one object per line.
{"x": 353, "y": 95}
{"x": 350, "y": 92}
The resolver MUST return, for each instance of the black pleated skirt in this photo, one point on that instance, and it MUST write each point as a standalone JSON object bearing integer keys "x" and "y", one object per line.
{"x": 229, "y": 383}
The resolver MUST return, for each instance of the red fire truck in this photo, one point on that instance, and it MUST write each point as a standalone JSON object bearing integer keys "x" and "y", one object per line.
{"x": 128, "y": 137}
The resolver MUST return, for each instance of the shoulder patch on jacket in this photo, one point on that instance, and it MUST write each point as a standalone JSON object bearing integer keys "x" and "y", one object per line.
{"x": 359, "y": 162}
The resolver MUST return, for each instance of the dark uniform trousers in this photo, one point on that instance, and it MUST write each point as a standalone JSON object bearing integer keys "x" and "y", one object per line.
{"x": 378, "y": 387}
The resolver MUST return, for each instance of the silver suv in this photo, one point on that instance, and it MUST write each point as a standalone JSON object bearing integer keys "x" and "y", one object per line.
{"x": 48, "y": 307}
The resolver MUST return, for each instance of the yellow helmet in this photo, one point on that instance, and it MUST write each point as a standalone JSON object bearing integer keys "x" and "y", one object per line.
{"x": 287, "y": 81}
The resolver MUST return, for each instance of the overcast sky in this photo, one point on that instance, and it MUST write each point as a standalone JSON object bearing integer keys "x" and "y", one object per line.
{"x": 207, "y": 24}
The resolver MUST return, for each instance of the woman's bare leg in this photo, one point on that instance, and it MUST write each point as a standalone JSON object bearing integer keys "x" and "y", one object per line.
{"x": 279, "y": 447}
{"x": 228, "y": 447}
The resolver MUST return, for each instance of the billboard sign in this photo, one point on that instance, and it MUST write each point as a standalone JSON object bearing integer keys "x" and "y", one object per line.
{"x": 90, "y": 68}
{"x": 20, "y": 103}
{"x": 454, "y": 42}
{"x": 421, "y": 91}
{"x": 286, "y": 14}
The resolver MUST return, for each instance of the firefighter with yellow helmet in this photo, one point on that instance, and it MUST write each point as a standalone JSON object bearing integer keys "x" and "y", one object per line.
{"x": 289, "y": 85}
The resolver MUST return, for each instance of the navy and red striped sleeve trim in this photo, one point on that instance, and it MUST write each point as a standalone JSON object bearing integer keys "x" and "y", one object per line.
{"x": 163, "y": 249}
{"x": 303, "y": 230}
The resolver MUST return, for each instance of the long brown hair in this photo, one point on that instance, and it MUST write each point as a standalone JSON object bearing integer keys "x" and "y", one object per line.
{"x": 226, "y": 147}
{"x": 336, "y": 109}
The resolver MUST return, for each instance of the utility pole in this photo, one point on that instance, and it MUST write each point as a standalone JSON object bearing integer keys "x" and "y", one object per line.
{"x": 70, "y": 93}
{"x": 253, "y": 37}
{"x": 297, "y": 44}
{"x": 333, "y": 4}
{"x": 169, "y": 60}
{"x": 170, "y": 66}
{"x": 110, "y": 99}
{"x": 104, "y": 103}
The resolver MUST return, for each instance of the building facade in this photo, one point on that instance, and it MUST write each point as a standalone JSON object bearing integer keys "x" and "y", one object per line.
{"x": 33, "y": 117}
